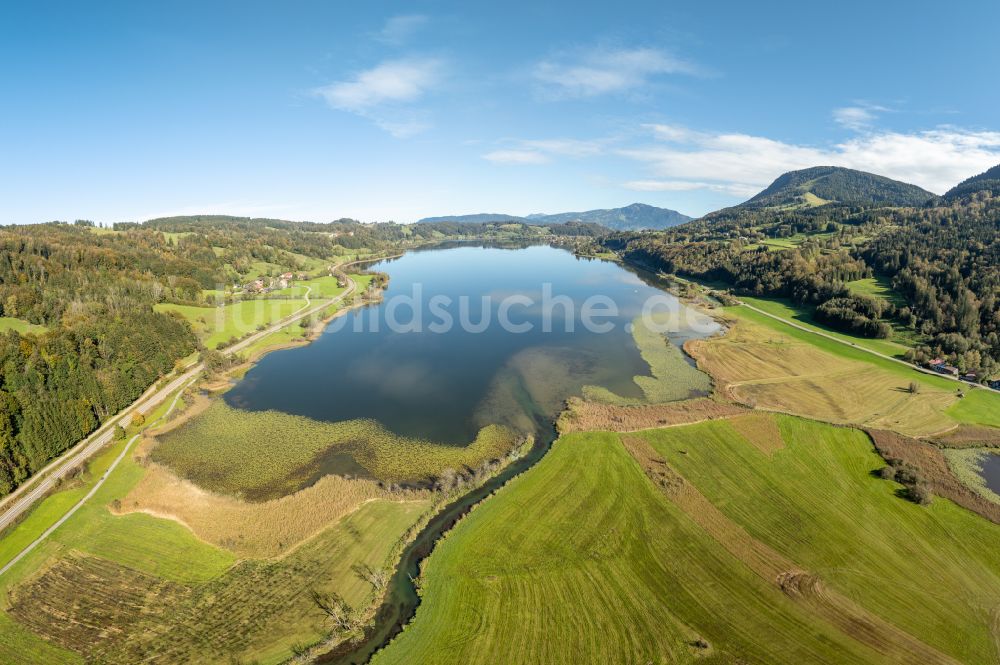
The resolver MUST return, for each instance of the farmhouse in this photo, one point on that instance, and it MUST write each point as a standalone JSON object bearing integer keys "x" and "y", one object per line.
{"x": 286, "y": 276}
{"x": 944, "y": 368}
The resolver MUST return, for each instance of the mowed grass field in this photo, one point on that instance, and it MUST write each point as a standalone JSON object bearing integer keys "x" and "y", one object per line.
{"x": 771, "y": 365}
{"x": 220, "y": 324}
{"x": 583, "y": 559}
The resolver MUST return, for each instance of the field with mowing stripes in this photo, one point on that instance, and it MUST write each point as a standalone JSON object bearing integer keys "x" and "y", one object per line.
{"x": 692, "y": 542}
{"x": 771, "y": 365}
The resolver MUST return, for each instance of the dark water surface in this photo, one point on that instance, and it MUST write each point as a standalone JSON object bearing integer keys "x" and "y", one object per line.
{"x": 442, "y": 383}
{"x": 991, "y": 471}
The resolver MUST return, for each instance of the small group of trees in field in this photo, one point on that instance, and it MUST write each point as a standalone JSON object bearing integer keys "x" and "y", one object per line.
{"x": 917, "y": 489}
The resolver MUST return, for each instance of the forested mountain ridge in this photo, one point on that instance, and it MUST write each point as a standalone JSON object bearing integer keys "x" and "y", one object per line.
{"x": 941, "y": 258}
{"x": 988, "y": 181}
{"x": 634, "y": 217}
{"x": 822, "y": 185}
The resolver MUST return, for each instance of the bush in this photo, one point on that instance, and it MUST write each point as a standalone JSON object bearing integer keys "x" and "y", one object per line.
{"x": 919, "y": 493}
{"x": 887, "y": 473}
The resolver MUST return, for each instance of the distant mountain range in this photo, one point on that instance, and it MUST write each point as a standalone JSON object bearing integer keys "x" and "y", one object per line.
{"x": 820, "y": 185}
{"x": 635, "y": 217}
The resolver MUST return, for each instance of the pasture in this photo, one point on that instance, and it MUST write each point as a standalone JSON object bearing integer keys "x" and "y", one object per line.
{"x": 261, "y": 455}
{"x": 585, "y": 559}
{"x": 214, "y": 325}
{"x": 897, "y": 346}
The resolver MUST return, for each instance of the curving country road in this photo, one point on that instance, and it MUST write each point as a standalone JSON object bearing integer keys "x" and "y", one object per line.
{"x": 24, "y": 497}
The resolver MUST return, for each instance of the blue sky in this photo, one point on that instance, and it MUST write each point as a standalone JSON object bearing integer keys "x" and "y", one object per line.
{"x": 117, "y": 111}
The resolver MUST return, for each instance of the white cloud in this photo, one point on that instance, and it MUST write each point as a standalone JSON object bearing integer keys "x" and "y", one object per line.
{"x": 398, "y": 29}
{"x": 603, "y": 71}
{"x": 384, "y": 92}
{"x": 853, "y": 117}
{"x": 390, "y": 82}
{"x": 859, "y": 117}
{"x": 935, "y": 159}
{"x": 516, "y": 157}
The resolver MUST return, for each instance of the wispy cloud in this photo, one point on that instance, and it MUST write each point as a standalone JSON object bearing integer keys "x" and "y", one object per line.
{"x": 391, "y": 81}
{"x": 860, "y": 117}
{"x": 604, "y": 71}
{"x": 516, "y": 157}
{"x": 383, "y": 92}
{"x": 742, "y": 164}
{"x": 398, "y": 29}
{"x": 542, "y": 151}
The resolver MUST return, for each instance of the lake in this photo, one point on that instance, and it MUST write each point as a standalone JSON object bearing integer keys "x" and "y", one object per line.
{"x": 528, "y": 328}
{"x": 991, "y": 471}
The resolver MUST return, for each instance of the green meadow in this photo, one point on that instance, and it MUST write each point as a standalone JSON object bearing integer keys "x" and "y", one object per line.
{"x": 584, "y": 559}
{"x": 20, "y": 325}
{"x": 220, "y": 324}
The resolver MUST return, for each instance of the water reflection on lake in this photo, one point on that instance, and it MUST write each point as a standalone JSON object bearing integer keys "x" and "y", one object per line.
{"x": 443, "y": 383}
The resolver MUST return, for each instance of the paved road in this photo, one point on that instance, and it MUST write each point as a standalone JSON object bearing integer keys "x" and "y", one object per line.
{"x": 861, "y": 348}
{"x": 21, "y": 500}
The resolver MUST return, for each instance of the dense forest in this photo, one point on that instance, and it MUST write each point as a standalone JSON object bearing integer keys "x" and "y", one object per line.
{"x": 93, "y": 289}
{"x": 941, "y": 258}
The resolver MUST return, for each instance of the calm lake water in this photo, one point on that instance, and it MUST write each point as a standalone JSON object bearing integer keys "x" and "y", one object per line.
{"x": 443, "y": 383}
{"x": 991, "y": 471}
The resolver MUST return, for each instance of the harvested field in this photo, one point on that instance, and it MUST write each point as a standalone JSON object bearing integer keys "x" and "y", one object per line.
{"x": 582, "y": 416}
{"x": 766, "y": 367}
{"x": 254, "y": 529}
{"x": 258, "y": 610}
{"x": 935, "y": 471}
{"x": 264, "y": 455}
